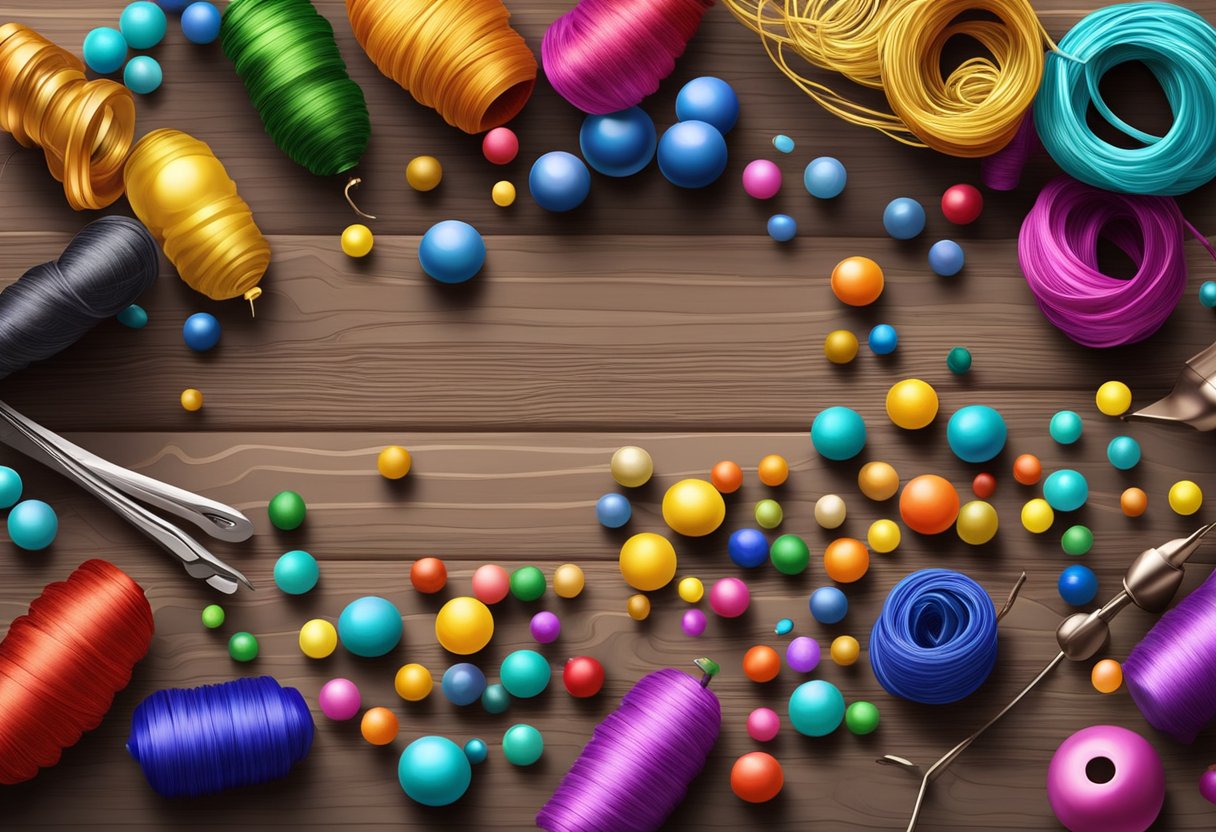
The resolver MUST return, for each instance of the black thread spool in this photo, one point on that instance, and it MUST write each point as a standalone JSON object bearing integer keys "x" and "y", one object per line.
{"x": 103, "y": 270}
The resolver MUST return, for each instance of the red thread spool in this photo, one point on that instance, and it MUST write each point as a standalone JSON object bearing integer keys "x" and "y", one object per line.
{"x": 63, "y": 661}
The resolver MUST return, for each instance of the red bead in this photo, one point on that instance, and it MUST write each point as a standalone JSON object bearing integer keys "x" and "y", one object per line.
{"x": 962, "y": 204}
{"x": 428, "y": 575}
{"x": 583, "y": 676}
{"x": 984, "y": 486}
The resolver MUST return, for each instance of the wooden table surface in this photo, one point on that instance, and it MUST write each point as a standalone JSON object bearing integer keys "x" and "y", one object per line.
{"x": 649, "y": 316}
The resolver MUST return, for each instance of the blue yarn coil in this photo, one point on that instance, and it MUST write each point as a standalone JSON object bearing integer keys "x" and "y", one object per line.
{"x": 935, "y": 640}
{"x": 1179, "y": 48}
{"x": 203, "y": 740}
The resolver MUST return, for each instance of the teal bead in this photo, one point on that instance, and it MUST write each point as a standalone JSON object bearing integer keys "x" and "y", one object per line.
{"x": 134, "y": 317}
{"x": 476, "y": 751}
{"x": 816, "y": 708}
{"x": 1123, "y": 453}
{"x": 495, "y": 699}
{"x": 105, "y": 50}
{"x": 1065, "y": 490}
{"x": 958, "y": 360}
{"x": 143, "y": 75}
{"x": 32, "y": 525}
{"x": 525, "y": 673}
{"x": 784, "y": 627}
{"x": 522, "y": 745}
{"x": 10, "y": 487}
{"x": 296, "y": 572}
{"x": 434, "y": 771}
{"x": 1065, "y": 427}
{"x": 142, "y": 24}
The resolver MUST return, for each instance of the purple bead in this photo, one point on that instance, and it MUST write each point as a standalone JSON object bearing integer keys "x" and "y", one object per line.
{"x": 802, "y": 654}
{"x": 693, "y": 623}
{"x": 1207, "y": 785}
{"x": 1106, "y": 779}
{"x": 546, "y": 627}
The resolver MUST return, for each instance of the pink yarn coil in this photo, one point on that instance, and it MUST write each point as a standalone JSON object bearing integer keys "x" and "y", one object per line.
{"x": 607, "y": 55}
{"x": 1058, "y": 252}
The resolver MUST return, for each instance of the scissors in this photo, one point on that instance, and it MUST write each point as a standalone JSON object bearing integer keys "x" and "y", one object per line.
{"x": 119, "y": 487}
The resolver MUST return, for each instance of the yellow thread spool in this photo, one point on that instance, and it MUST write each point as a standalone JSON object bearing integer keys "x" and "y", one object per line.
{"x": 183, "y": 194}
{"x": 84, "y": 127}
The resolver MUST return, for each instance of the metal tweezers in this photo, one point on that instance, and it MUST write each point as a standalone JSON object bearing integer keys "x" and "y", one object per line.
{"x": 116, "y": 486}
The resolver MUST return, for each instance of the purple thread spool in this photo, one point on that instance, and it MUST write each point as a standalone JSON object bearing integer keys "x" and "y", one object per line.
{"x": 637, "y": 767}
{"x": 1171, "y": 673}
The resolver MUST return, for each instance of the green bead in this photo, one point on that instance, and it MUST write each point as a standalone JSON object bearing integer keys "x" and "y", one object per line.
{"x": 769, "y": 514}
{"x": 790, "y": 554}
{"x": 287, "y": 510}
{"x": 959, "y": 360}
{"x": 522, "y": 745}
{"x": 243, "y": 647}
{"x": 213, "y": 616}
{"x": 527, "y": 583}
{"x": 861, "y": 718}
{"x": 1078, "y": 540}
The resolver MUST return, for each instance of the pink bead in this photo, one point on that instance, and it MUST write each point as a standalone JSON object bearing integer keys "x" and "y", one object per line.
{"x": 491, "y": 584}
{"x": 763, "y": 724}
{"x": 762, "y": 179}
{"x": 1207, "y": 785}
{"x": 500, "y": 146}
{"x": 693, "y": 623}
{"x": 729, "y": 597}
{"x": 1106, "y": 779}
{"x": 339, "y": 699}
{"x": 546, "y": 627}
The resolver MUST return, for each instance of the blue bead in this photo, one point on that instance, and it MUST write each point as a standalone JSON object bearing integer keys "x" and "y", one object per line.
{"x": 134, "y": 316}
{"x": 828, "y": 605}
{"x": 692, "y": 154}
{"x": 452, "y": 251}
{"x": 296, "y": 572}
{"x": 883, "y": 339}
{"x": 105, "y": 49}
{"x": 173, "y": 5}
{"x": 32, "y": 525}
{"x": 782, "y": 227}
{"x": 619, "y": 144}
{"x": 904, "y": 218}
{"x": 476, "y": 750}
{"x": 142, "y": 75}
{"x": 1078, "y": 585}
{"x": 838, "y": 433}
{"x": 816, "y": 708}
{"x": 1123, "y": 453}
{"x": 463, "y": 683}
{"x": 783, "y": 143}
{"x": 1065, "y": 490}
{"x": 201, "y": 22}
{"x": 784, "y": 627}
{"x": 370, "y": 626}
{"x": 434, "y": 771}
{"x": 710, "y": 100}
{"x": 495, "y": 699}
{"x": 1065, "y": 427}
{"x": 946, "y": 258}
{"x": 559, "y": 181}
{"x": 613, "y": 510}
{"x": 1207, "y": 294}
{"x": 142, "y": 24}
{"x": 976, "y": 433}
{"x": 748, "y": 548}
{"x": 201, "y": 331}
{"x": 825, "y": 177}
{"x": 10, "y": 487}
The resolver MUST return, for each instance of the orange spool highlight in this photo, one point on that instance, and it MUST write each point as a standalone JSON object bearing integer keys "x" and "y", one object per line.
{"x": 459, "y": 57}
{"x": 84, "y": 127}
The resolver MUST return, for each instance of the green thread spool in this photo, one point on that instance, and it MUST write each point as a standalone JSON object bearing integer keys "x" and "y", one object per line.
{"x": 285, "y": 53}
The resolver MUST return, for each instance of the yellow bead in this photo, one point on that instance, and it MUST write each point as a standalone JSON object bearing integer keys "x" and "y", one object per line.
{"x": 691, "y": 590}
{"x": 631, "y": 466}
{"x": 394, "y": 462}
{"x": 424, "y": 173}
{"x": 1114, "y": 398}
{"x": 357, "y": 240}
{"x": 911, "y": 404}
{"x": 1185, "y": 497}
{"x": 845, "y": 650}
{"x": 503, "y": 194}
{"x": 878, "y": 480}
{"x": 693, "y": 508}
{"x": 1037, "y": 516}
{"x": 413, "y": 682}
{"x": 648, "y": 561}
{"x": 318, "y": 638}
{"x": 1107, "y": 676}
{"x": 884, "y": 536}
{"x": 568, "y": 580}
{"x": 977, "y": 522}
{"x": 464, "y": 625}
{"x": 192, "y": 399}
{"x": 639, "y": 607}
{"x": 840, "y": 346}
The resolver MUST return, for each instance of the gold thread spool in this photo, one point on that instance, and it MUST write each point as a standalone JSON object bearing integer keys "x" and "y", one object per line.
{"x": 84, "y": 127}
{"x": 459, "y": 57}
{"x": 183, "y": 194}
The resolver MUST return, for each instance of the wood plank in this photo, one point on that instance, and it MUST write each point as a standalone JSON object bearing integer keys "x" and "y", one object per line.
{"x": 635, "y": 334}
{"x": 528, "y": 498}
{"x": 203, "y": 96}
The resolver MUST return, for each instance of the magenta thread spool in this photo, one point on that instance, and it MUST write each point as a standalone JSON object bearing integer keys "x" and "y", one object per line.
{"x": 1106, "y": 779}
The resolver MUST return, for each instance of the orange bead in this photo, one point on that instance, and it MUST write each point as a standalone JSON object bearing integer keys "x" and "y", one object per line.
{"x": 929, "y": 504}
{"x": 1107, "y": 676}
{"x": 857, "y": 281}
{"x": 1027, "y": 469}
{"x": 379, "y": 726}
{"x": 984, "y": 485}
{"x": 773, "y": 470}
{"x": 756, "y": 777}
{"x": 428, "y": 575}
{"x": 846, "y": 560}
{"x": 761, "y": 663}
{"x": 1134, "y": 502}
{"x": 726, "y": 476}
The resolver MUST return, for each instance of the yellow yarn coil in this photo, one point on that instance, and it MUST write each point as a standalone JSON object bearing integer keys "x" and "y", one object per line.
{"x": 896, "y": 46}
{"x": 183, "y": 194}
